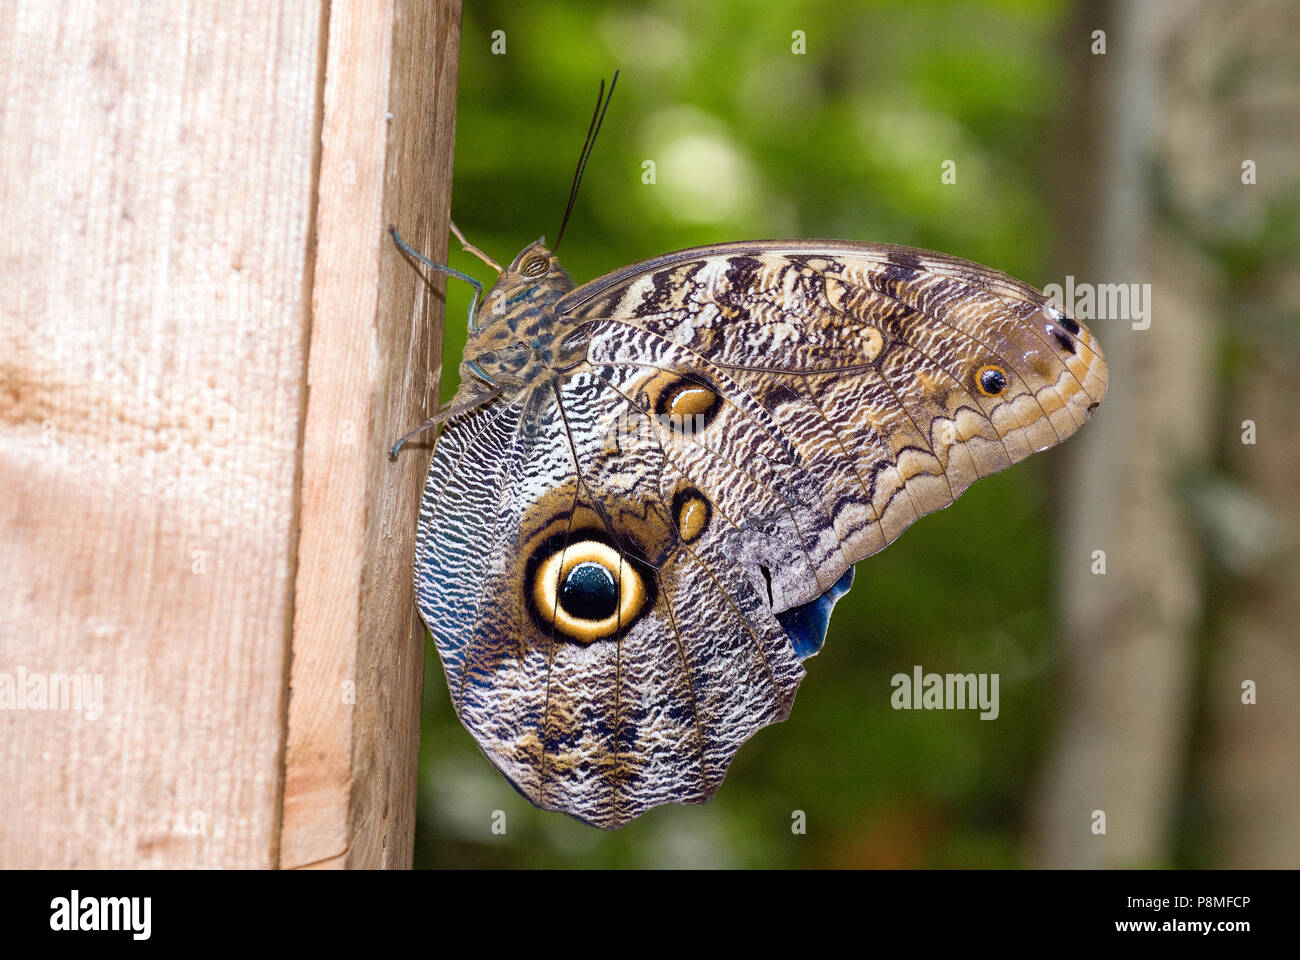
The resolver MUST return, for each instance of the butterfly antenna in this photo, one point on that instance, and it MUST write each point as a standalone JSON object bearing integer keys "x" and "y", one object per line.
{"x": 597, "y": 118}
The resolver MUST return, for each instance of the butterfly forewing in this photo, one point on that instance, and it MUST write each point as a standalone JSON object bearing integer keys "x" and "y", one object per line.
{"x": 925, "y": 372}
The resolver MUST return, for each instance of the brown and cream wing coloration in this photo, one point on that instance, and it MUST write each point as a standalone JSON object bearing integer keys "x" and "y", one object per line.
{"x": 625, "y": 557}
{"x": 882, "y": 381}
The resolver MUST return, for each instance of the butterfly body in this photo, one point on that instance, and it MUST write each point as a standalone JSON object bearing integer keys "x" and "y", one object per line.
{"x": 628, "y": 548}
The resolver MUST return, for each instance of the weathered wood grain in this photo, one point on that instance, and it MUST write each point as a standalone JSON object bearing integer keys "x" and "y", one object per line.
{"x": 357, "y": 655}
{"x": 194, "y": 203}
{"x": 156, "y": 183}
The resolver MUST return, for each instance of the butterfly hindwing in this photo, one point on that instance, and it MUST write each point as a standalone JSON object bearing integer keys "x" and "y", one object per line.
{"x": 603, "y": 722}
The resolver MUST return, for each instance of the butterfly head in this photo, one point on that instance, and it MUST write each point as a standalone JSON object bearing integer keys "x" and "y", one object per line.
{"x": 529, "y": 287}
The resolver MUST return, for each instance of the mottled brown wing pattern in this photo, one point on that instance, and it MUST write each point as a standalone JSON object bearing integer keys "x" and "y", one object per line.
{"x": 893, "y": 378}
{"x": 600, "y": 724}
{"x": 624, "y": 559}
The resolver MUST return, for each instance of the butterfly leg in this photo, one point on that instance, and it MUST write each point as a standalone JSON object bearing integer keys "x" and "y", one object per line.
{"x": 412, "y": 253}
{"x": 455, "y": 410}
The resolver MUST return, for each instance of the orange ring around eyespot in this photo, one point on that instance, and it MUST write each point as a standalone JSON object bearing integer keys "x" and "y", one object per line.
{"x": 549, "y": 576}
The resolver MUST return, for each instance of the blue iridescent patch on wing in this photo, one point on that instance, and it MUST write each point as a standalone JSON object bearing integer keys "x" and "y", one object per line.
{"x": 806, "y": 625}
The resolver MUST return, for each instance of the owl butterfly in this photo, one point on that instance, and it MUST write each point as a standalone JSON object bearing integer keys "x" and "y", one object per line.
{"x": 651, "y": 489}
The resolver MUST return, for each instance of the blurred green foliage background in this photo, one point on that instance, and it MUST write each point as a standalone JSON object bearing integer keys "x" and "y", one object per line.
{"x": 752, "y": 141}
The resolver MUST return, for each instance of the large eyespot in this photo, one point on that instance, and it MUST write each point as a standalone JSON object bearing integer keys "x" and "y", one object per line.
{"x": 589, "y": 591}
{"x": 991, "y": 380}
{"x": 535, "y": 266}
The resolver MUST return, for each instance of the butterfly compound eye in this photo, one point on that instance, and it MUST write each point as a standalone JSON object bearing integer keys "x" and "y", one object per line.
{"x": 588, "y": 591}
{"x": 535, "y": 266}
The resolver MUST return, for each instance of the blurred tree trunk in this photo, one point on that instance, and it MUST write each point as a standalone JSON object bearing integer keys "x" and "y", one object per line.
{"x": 1252, "y": 770}
{"x": 1165, "y": 147}
{"x": 1253, "y": 775}
{"x": 1128, "y": 632}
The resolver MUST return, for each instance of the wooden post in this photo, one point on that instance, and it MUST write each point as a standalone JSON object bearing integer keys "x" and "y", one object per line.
{"x": 207, "y": 647}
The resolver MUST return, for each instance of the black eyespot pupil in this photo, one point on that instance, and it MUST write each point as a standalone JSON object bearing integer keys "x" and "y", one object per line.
{"x": 589, "y": 592}
{"x": 992, "y": 380}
